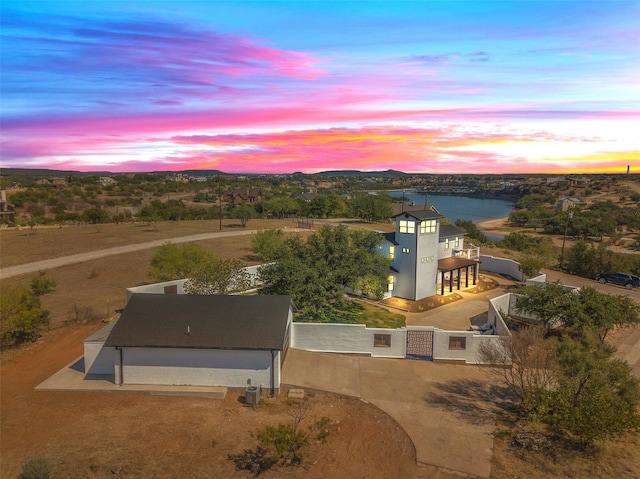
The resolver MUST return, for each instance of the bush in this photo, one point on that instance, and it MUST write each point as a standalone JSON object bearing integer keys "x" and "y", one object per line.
{"x": 35, "y": 468}
{"x": 42, "y": 284}
{"x": 21, "y": 315}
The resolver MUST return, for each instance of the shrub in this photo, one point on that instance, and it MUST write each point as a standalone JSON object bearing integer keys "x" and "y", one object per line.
{"x": 42, "y": 284}
{"x": 35, "y": 468}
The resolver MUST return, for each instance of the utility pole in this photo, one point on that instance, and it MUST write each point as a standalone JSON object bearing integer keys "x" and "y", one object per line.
{"x": 219, "y": 202}
{"x": 564, "y": 239}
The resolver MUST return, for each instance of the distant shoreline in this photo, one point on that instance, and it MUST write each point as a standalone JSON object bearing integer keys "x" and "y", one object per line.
{"x": 494, "y": 226}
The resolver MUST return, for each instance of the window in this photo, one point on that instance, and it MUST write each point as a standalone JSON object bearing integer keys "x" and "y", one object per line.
{"x": 405, "y": 250}
{"x": 457, "y": 342}
{"x": 457, "y": 241}
{"x": 392, "y": 252}
{"x": 408, "y": 227}
{"x": 381, "y": 340}
{"x": 390, "y": 283}
{"x": 428, "y": 226}
{"x": 446, "y": 243}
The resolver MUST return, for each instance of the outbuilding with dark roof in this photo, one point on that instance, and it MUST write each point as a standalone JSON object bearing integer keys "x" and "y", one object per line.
{"x": 175, "y": 339}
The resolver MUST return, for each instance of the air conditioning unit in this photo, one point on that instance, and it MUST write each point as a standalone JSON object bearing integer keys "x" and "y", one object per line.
{"x": 252, "y": 396}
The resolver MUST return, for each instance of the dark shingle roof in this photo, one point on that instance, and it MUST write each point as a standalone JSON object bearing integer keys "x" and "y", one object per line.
{"x": 429, "y": 214}
{"x": 202, "y": 322}
{"x": 450, "y": 230}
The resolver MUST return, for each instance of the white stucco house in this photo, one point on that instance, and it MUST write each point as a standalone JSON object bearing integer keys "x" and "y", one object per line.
{"x": 426, "y": 256}
{"x": 179, "y": 339}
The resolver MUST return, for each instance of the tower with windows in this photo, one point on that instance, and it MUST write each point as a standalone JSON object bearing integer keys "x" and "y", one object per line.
{"x": 425, "y": 253}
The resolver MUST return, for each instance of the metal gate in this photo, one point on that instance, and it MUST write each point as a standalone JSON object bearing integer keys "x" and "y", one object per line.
{"x": 420, "y": 345}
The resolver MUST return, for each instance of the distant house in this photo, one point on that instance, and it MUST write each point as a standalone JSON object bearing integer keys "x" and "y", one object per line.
{"x": 56, "y": 182}
{"x": 306, "y": 197}
{"x": 178, "y": 339}
{"x": 426, "y": 256}
{"x": 243, "y": 195}
{"x": 566, "y": 203}
{"x": 107, "y": 180}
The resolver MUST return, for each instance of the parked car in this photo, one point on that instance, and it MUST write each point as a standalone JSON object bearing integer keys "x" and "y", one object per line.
{"x": 629, "y": 281}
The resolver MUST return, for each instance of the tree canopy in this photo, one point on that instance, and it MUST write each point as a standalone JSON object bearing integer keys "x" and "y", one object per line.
{"x": 21, "y": 315}
{"x": 205, "y": 272}
{"x": 317, "y": 271}
{"x": 267, "y": 243}
{"x": 584, "y": 310}
{"x": 218, "y": 276}
{"x": 172, "y": 262}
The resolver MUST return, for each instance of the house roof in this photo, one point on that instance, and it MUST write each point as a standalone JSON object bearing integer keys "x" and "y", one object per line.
{"x": 202, "y": 322}
{"x": 455, "y": 262}
{"x": 429, "y": 214}
{"x": 390, "y": 237}
{"x": 450, "y": 230}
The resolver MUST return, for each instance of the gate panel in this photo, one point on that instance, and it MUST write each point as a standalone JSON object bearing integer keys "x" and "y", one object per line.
{"x": 420, "y": 345}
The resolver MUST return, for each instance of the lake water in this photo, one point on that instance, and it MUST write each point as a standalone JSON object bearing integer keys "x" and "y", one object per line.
{"x": 461, "y": 207}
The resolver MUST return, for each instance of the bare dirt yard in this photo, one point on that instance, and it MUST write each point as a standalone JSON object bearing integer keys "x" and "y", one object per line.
{"x": 100, "y": 435}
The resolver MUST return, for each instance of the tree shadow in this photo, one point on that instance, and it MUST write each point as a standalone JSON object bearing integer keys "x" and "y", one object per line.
{"x": 479, "y": 319}
{"x": 471, "y": 400}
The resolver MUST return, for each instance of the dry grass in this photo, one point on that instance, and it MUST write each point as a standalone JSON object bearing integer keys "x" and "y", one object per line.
{"x": 191, "y": 437}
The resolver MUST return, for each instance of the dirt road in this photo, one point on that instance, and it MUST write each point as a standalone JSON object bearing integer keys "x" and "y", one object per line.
{"x": 91, "y": 255}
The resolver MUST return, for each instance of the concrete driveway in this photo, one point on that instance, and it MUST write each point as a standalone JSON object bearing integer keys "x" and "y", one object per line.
{"x": 447, "y": 410}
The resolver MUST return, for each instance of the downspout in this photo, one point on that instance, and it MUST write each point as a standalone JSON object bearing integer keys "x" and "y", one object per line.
{"x": 272, "y": 390}
{"x": 415, "y": 261}
{"x": 121, "y": 367}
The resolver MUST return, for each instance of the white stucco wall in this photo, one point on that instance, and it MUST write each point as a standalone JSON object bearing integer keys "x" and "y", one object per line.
{"x": 505, "y": 266}
{"x": 197, "y": 367}
{"x": 97, "y": 359}
{"x": 496, "y": 306}
{"x": 156, "y": 288}
{"x": 469, "y": 355}
{"x": 346, "y": 338}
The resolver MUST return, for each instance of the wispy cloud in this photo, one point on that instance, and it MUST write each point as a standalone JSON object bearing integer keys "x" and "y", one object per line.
{"x": 242, "y": 87}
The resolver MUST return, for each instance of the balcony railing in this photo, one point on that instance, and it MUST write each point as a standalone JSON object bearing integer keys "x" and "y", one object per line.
{"x": 470, "y": 252}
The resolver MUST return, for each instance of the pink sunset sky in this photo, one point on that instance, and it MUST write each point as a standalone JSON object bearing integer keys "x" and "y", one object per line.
{"x": 279, "y": 87}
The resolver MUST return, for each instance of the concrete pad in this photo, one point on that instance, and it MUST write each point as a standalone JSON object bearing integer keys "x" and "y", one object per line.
{"x": 72, "y": 378}
{"x": 296, "y": 394}
{"x": 445, "y": 409}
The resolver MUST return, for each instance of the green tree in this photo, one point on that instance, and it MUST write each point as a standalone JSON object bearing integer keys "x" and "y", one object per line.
{"x": 601, "y": 312}
{"x": 244, "y": 212}
{"x": 551, "y": 303}
{"x": 266, "y": 244}
{"x": 172, "y": 262}
{"x": 95, "y": 215}
{"x": 282, "y": 206}
{"x": 585, "y": 310}
{"x": 372, "y": 208}
{"x": 519, "y": 217}
{"x": 596, "y": 397}
{"x": 316, "y": 272}
{"x": 472, "y": 230}
{"x": 21, "y": 315}
{"x": 218, "y": 276}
